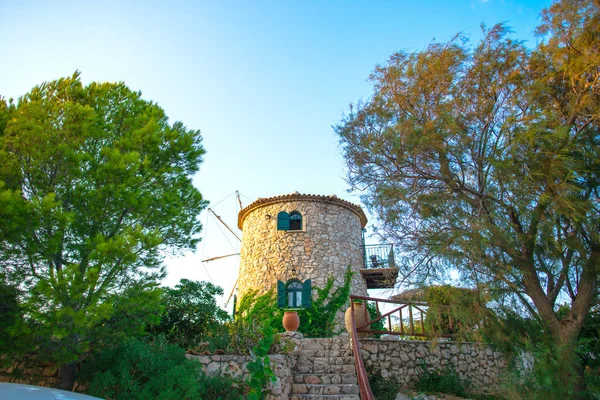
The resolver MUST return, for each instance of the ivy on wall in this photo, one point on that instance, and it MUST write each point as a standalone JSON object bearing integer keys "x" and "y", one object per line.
{"x": 318, "y": 320}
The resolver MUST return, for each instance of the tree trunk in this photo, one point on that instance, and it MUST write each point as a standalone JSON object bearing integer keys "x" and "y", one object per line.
{"x": 572, "y": 375}
{"x": 66, "y": 376}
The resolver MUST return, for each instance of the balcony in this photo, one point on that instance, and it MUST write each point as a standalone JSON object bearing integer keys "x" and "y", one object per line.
{"x": 379, "y": 267}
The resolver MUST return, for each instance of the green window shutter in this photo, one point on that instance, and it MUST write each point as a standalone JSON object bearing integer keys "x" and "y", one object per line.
{"x": 283, "y": 221}
{"x": 306, "y": 294}
{"x": 281, "y": 294}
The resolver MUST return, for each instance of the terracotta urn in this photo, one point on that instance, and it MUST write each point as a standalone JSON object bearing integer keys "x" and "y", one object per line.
{"x": 291, "y": 321}
{"x": 359, "y": 318}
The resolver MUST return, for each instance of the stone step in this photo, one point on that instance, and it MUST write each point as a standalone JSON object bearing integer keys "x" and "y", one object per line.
{"x": 324, "y": 397}
{"x": 317, "y": 369}
{"x": 326, "y": 353}
{"x": 326, "y": 344}
{"x": 325, "y": 361}
{"x": 325, "y": 378}
{"x": 307, "y": 388}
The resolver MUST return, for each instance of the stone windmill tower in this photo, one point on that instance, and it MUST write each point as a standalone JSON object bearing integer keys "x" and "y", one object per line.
{"x": 301, "y": 240}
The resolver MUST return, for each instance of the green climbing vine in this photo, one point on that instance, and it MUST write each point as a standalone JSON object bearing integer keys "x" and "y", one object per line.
{"x": 319, "y": 319}
{"x": 259, "y": 368}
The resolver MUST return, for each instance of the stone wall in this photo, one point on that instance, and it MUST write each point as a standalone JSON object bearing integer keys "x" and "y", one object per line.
{"x": 31, "y": 371}
{"x": 283, "y": 355}
{"x": 329, "y": 242}
{"x": 236, "y": 366}
{"x": 398, "y": 359}
{"x": 401, "y": 359}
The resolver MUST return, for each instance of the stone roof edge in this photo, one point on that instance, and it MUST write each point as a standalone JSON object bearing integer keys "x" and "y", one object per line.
{"x": 261, "y": 202}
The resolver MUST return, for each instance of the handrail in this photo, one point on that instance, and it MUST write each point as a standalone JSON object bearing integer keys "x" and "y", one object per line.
{"x": 410, "y": 305}
{"x": 378, "y": 256}
{"x": 361, "y": 372}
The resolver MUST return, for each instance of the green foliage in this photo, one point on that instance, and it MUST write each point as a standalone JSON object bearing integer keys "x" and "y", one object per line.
{"x": 138, "y": 370}
{"x": 221, "y": 387}
{"x": 319, "y": 319}
{"x": 254, "y": 314}
{"x": 417, "y": 326}
{"x": 383, "y": 388}
{"x": 446, "y": 381}
{"x": 538, "y": 367}
{"x": 259, "y": 369}
{"x": 191, "y": 314}
{"x": 96, "y": 186}
{"x": 10, "y": 312}
{"x": 379, "y": 325}
{"x": 136, "y": 311}
{"x": 549, "y": 373}
{"x": 457, "y": 311}
{"x": 486, "y": 158}
{"x": 588, "y": 341}
{"x": 156, "y": 370}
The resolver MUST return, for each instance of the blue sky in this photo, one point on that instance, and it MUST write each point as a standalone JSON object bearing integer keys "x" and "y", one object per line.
{"x": 263, "y": 80}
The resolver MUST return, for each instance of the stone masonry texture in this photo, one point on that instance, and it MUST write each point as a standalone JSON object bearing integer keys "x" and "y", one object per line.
{"x": 326, "y": 365}
{"x": 329, "y": 242}
{"x": 402, "y": 360}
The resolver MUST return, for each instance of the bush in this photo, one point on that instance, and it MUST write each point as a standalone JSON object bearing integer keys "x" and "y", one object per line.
{"x": 138, "y": 370}
{"x": 446, "y": 381}
{"x": 382, "y": 388}
{"x": 191, "y": 314}
{"x": 552, "y": 372}
{"x": 254, "y": 315}
{"x": 260, "y": 366}
{"x": 221, "y": 387}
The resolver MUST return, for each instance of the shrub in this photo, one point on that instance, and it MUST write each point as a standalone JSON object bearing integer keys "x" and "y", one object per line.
{"x": 254, "y": 314}
{"x": 221, "y": 387}
{"x": 158, "y": 370}
{"x": 382, "y": 388}
{"x": 191, "y": 314}
{"x": 260, "y": 366}
{"x": 446, "y": 381}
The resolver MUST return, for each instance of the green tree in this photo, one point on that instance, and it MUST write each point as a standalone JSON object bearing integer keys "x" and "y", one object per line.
{"x": 95, "y": 187}
{"x": 191, "y": 313}
{"x": 487, "y": 159}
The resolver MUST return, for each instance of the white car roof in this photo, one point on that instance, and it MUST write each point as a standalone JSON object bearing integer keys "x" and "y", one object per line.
{"x": 17, "y": 391}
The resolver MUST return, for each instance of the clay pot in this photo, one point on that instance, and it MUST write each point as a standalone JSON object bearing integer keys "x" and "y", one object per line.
{"x": 291, "y": 321}
{"x": 359, "y": 319}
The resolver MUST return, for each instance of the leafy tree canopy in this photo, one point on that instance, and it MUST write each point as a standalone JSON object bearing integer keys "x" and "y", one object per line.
{"x": 486, "y": 158}
{"x": 191, "y": 313}
{"x": 95, "y": 187}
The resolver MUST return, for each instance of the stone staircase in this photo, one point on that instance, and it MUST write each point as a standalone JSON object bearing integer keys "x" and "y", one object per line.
{"x": 325, "y": 371}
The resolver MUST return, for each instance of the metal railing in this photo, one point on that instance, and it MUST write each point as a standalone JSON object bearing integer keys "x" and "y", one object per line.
{"x": 378, "y": 256}
{"x": 397, "y": 307}
{"x": 405, "y": 310}
{"x": 361, "y": 372}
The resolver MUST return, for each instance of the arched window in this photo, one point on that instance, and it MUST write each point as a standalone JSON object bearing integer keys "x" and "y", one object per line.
{"x": 294, "y": 294}
{"x": 295, "y": 221}
{"x": 289, "y": 222}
